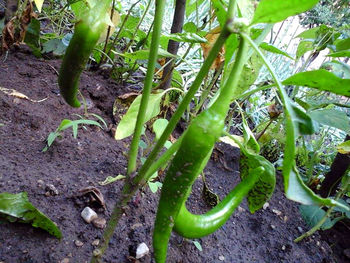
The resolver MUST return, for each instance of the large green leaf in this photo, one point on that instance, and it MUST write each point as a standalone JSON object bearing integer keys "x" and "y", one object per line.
{"x": 333, "y": 118}
{"x": 16, "y": 207}
{"x": 321, "y": 79}
{"x": 313, "y": 214}
{"x": 273, "y": 11}
{"x": 343, "y": 44}
{"x": 127, "y": 124}
{"x": 264, "y": 187}
{"x": 273, "y": 49}
{"x": 344, "y": 53}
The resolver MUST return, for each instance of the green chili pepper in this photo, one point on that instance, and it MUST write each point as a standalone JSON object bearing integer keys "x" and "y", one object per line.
{"x": 193, "y": 154}
{"x": 189, "y": 225}
{"x": 86, "y": 34}
{"x": 195, "y": 148}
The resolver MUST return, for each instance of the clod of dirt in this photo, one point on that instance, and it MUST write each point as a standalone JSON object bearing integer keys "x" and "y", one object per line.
{"x": 99, "y": 223}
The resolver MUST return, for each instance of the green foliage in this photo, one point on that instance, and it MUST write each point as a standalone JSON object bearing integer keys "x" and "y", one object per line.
{"x": 322, "y": 80}
{"x": 328, "y": 12}
{"x": 17, "y": 208}
{"x": 65, "y": 124}
{"x": 273, "y": 11}
{"x": 313, "y": 214}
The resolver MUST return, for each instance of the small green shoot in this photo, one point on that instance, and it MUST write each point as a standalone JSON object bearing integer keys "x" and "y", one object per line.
{"x": 111, "y": 179}
{"x": 65, "y": 124}
{"x": 197, "y": 245}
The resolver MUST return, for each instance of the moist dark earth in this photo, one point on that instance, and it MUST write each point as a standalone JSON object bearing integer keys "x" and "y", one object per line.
{"x": 72, "y": 164}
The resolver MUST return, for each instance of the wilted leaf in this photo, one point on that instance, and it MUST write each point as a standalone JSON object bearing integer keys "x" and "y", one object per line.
{"x": 211, "y": 37}
{"x": 12, "y": 92}
{"x": 16, "y": 207}
{"x": 111, "y": 179}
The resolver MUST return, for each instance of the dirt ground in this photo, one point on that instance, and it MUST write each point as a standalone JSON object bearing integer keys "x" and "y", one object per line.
{"x": 72, "y": 164}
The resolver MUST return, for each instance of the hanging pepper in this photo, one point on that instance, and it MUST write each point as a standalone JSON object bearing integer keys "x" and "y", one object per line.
{"x": 87, "y": 32}
{"x": 189, "y": 225}
{"x": 192, "y": 156}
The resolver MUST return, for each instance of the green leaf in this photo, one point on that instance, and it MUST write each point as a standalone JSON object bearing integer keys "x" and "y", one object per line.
{"x": 55, "y": 46}
{"x": 127, "y": 124}
{"x": 321, "y": 79}
{"x": 159, "y": 127}
{"x": 343, "y": 44}
{"x": 191, "y": 6}
{"x": 302, "y": 121}
{"x": 186, "y": 37}
{"x": 344, "y": 147}
{"x": 273, "y": 49}
{"x": 32, "y": 37}
{"x": 63, "y": 123}
{"x": 144, "y": 54}
{"x": 250, "y": 142}
{"x": 344, "y": 53}
{"x": 220, "y": 12}
{"x": 333, "y": 118}
{"x": 190, "y": 27}
{"x": 154, "y": 186}
{"x": 111, "y": 179}
{"x": 18, "y": 206}
{"x": 263, "y": 189}
{"x": 338, "y": 68}
{"x": 303, "y": 47}
{"x": 309, "y": 34}
{"x": 197, "y": 245}
{"x": 273, "y": 11}
{"x": 313, "y": 214}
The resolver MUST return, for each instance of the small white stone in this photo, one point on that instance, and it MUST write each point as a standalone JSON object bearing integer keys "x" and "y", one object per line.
{"x": 266, "y": 205}
{"x": 277, "y": 212}
{"x": 141, "y": 250}
{"x": 78, "y": 243}
{"x": 273, "y": 226}
{"x": 95, "y": 243}
{"x": 88, "y": 214}
{"x": 300, "y": 230}
{"x": 221, "y": 258}
{"x": 283, "y": 247}
{"x": 240, "y": 209}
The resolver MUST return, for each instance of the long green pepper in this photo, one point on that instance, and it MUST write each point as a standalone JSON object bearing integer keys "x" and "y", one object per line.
{"x": 191, "y": 158}
{"x": 87, "y": 32}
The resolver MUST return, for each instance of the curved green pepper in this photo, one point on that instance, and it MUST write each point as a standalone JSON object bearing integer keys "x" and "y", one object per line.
{"x": 86, "y": 34}
{"x": 189, "y": 225}
{"x": 188, "y": 162}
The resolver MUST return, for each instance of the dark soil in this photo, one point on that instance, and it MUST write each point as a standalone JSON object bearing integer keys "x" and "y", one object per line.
{"x": 71, "y": 164}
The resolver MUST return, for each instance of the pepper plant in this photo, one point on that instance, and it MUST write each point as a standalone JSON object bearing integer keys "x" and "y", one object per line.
{"x": 238, "y": 23}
